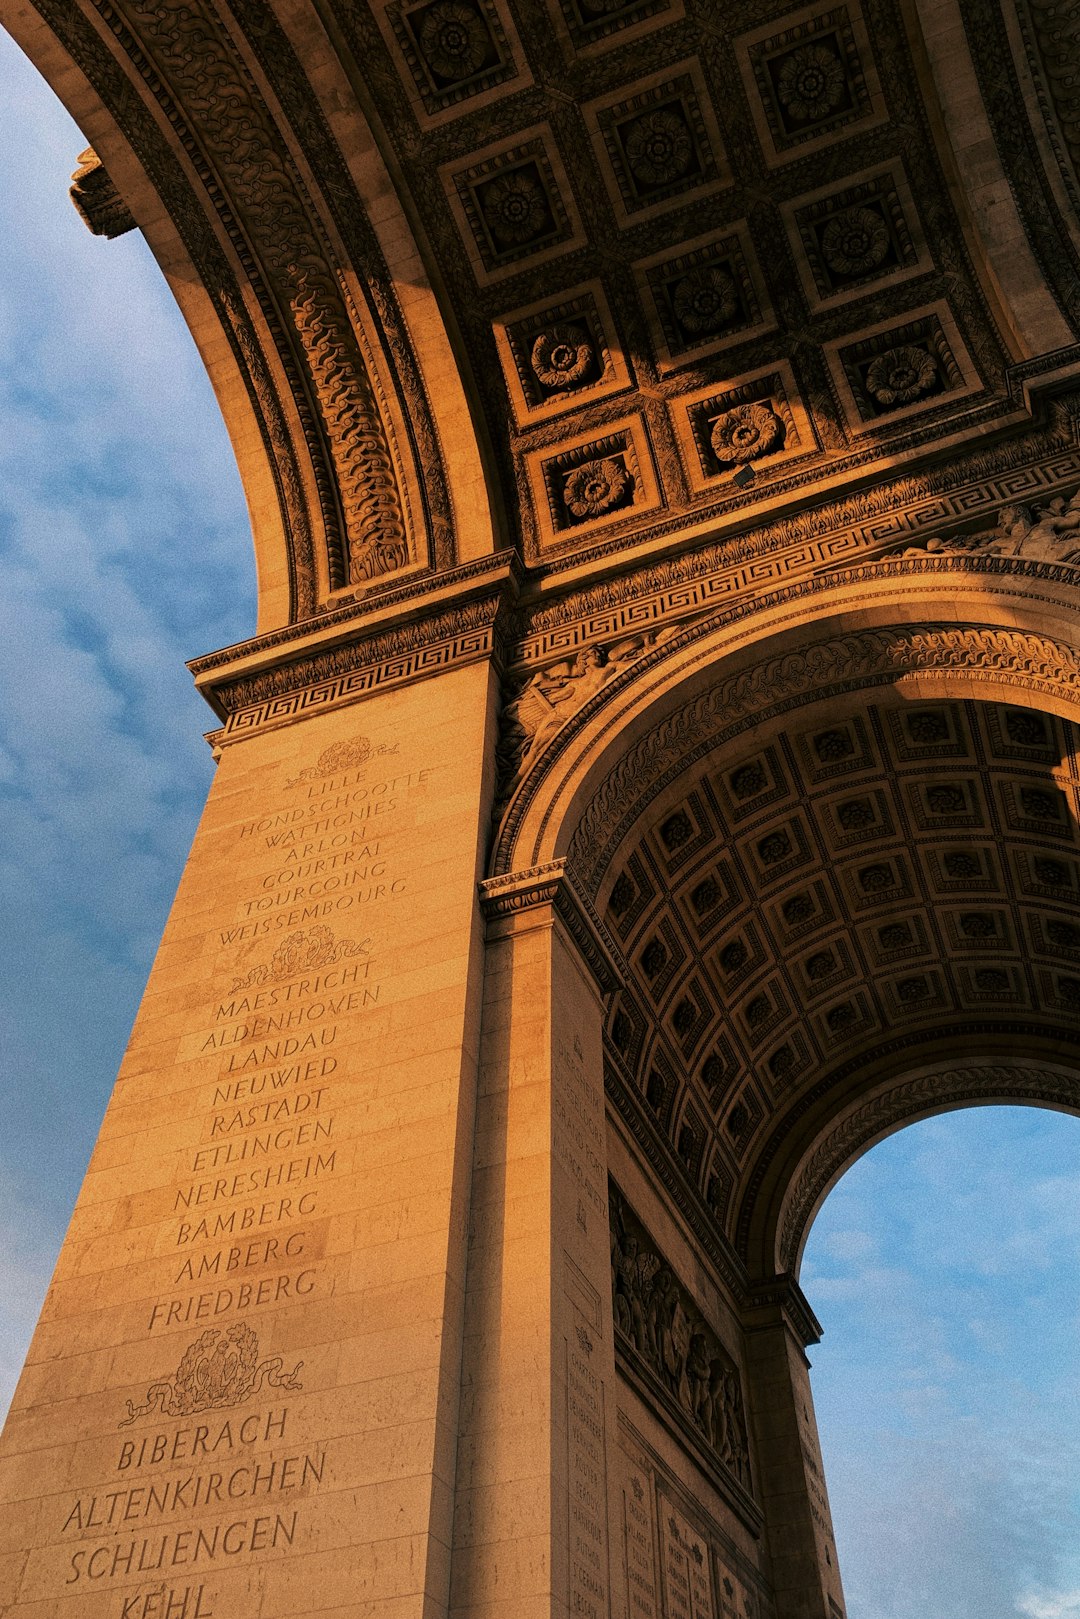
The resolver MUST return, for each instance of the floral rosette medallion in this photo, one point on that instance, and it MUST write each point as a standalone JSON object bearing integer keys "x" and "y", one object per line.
{"x": 746, "y": 433}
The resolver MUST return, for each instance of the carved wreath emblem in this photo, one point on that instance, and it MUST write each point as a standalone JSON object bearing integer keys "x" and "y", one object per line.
{"x": 344, "y": 755}
{"x": 216, "y": 1371}
{"x": 317, "y": 947}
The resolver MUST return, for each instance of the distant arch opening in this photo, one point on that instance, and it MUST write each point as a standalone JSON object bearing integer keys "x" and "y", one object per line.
{"x": 943, "y": 1267}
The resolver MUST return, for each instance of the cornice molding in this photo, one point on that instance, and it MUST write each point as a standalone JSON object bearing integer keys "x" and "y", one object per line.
{"x": 506, "y": 897}
{"x": 781, "y": 1295}
{"x": 267, "y": 682}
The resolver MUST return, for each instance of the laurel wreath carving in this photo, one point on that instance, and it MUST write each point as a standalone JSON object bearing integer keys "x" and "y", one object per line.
{"x": 215, "y": 1372}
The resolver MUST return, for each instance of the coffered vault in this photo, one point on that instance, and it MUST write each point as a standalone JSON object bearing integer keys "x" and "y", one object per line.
{"x": 659, "y": 425}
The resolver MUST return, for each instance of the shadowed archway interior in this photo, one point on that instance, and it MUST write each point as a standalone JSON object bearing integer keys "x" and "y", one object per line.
{"x": 815, "y": 907}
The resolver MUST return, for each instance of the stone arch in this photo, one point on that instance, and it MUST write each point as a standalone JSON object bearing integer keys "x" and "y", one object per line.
{"x": 242, "y": 153}
{"x": 890, "y": 1107}
{"x": 1005, "y": 629}
{"x": 736, "y": 1143}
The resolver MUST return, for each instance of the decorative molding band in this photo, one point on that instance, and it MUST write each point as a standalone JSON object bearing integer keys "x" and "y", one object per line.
{"x": 196, "y": 58}
{"x": 554, "y": 885}
{"x": 828, "y": 537}
{"x": 1012, "y": 1082}
{"x": 347, "y": 672}
{"x": 371, "y": 612}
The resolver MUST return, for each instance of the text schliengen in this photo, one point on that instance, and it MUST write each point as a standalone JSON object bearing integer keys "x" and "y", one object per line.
{"x": 121, "y": 1559}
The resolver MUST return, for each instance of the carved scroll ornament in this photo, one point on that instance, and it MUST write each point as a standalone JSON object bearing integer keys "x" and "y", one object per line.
{"x": 200, "y": 64}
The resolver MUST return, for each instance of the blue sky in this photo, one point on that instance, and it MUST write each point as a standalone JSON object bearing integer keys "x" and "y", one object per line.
{"x": 943, "y": 1266}
{"x": 944, "y": 1269}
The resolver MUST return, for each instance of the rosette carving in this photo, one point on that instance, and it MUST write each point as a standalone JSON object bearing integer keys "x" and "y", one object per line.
{"x": 562, "y": 357}
{"x": 746, "y": 433}
{"x": 454, "y": 40}
{"x": 854, "y": 241}
{"x": 595, "y": 487}
{"x": 705, "y": 299}
{"x": 659, "y": 148}
{"x": 901, "y": 375}
{"x": 515, "y": 208}
{"x": 811, "y": 83}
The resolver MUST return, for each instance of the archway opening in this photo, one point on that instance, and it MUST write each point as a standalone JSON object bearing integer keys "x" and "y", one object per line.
{"x": 124, "y": 548}
{"x": 942, "y": 1266}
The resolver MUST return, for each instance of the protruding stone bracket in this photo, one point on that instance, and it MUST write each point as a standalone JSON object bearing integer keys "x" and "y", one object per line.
{"x": 97, "y": 201}
{"x": 776, "y": 1299}
{"x": 503, "y": 899}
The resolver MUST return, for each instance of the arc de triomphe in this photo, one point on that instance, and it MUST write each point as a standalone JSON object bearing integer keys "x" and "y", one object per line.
{"x": 653, "y": 779}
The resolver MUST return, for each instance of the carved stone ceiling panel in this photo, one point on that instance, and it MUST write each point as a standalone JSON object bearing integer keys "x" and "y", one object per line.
{"x": 897, "y": 872}
{"x": 696, "y": 265}
{"x": 700, "y": 265}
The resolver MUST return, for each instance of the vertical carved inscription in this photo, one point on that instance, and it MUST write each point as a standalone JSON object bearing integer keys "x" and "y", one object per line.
{"x": 587, "y": 1477}
{"x": 687, "y": 1575}
{"x": 640, "y": 1543}
{"x": 204, "y": 1478}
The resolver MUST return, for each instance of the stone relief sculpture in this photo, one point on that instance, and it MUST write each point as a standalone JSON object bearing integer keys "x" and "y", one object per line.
{"x": 340, "y": 756}
{"x": 300, "y": 951}
{"x": 1047, "y": 533}
{"x": 543, "y": 702}
{"x": 666, "y": 1332}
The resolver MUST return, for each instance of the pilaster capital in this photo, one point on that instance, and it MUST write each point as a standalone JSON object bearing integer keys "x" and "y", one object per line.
{"x": 503, "y": 899}
{"x": 779, "y": 1300}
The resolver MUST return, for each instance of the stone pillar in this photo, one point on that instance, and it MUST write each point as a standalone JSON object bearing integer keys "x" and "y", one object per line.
{"x": 242, "y": 1398}
{"x": 778, "y": 1325}
{"x": 531, "y": 1530}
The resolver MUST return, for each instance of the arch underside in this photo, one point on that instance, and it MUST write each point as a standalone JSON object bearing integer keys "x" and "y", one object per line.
{"x": 753, "y": 408}
{"x": 602, "y": 284}
{"x": 838, "y": 868}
